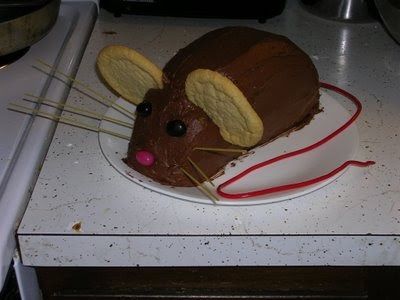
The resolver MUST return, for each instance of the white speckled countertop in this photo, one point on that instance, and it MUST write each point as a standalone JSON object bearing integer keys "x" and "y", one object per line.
{"x": 353, "y": 221}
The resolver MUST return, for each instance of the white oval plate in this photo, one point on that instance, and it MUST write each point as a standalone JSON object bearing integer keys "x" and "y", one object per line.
{"x": 305, "y": 166}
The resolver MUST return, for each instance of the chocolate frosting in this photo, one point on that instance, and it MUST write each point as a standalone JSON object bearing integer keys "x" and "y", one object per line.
{"x": 277, "y": 77}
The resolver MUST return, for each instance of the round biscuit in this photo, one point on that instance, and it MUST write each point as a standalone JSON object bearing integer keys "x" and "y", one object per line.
{"x": 226, "y": 105}
{"x": 128, "y": 72}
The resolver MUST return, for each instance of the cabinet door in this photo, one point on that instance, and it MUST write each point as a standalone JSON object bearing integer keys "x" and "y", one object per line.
{"x": 220, "y": 283}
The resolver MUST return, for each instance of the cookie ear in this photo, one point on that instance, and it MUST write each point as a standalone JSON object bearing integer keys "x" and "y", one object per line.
{"x": 128, "y": 72}
{"x": 226, "y": 105}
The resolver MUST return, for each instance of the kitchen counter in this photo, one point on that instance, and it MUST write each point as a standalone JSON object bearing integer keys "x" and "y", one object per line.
{"x": 84, "y": 213}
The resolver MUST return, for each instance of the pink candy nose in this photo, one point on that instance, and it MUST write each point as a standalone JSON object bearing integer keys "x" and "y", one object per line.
{"x": 145, "y": 158}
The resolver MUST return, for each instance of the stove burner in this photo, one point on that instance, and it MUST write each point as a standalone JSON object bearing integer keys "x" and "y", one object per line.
{"x": 8, "y": 59}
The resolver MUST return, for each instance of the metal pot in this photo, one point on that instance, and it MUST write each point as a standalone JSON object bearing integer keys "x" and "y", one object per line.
{"x": 23, "y": 23}
{"x": 342, "y": 10}
{"x": 390, "y": 13}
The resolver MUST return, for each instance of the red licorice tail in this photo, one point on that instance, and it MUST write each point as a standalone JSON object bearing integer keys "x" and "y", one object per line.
{"x": 309, "y": 182}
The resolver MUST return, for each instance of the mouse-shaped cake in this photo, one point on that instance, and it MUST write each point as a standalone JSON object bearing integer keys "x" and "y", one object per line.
{"x": 234, "y": 87}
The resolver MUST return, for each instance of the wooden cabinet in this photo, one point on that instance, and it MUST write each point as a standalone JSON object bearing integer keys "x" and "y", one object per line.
{"x": 221, "y": 283}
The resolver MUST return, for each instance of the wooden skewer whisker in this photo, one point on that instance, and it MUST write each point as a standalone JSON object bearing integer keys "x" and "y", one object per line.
{"x": 101, "y": 98}
{"x": 200, "y": 171}
{"x": 64, "y": 119}
{"x": 221, "y": 149}
{"x": 77, "y": 110}
{"x": 202, "y": 188}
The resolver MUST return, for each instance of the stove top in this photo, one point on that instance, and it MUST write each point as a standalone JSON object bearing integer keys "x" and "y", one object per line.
{"x": 22, "y": 77}
{"x": 25, "y": 139}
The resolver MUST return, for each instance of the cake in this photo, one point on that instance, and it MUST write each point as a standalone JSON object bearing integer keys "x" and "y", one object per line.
{"x": 232, "y": 88}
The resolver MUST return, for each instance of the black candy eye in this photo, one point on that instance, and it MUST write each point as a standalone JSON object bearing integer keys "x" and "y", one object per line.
{"x": 144, "y": 109}
{"x": 176, "y": 128}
